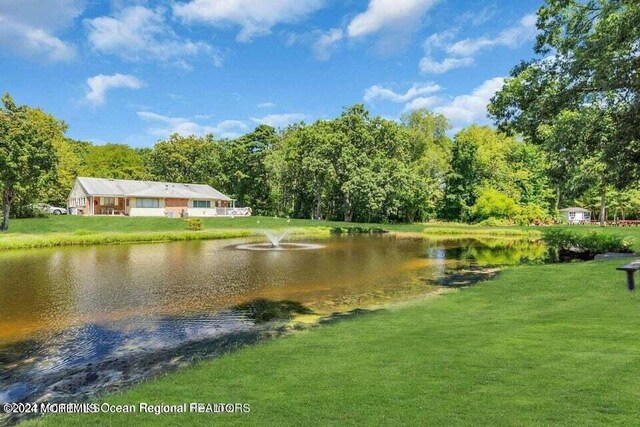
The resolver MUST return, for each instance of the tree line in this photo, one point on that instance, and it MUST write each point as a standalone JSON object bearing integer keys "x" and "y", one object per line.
{"x": 566, "y": 134}
{"x": 356, "y": 167}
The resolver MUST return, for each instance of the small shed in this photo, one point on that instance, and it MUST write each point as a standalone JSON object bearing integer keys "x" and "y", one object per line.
{"x": 576, "y": 215}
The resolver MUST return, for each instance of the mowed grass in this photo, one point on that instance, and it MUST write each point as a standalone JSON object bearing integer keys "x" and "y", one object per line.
{"x": 540, "y": 345}
{"x": 76, "y": 230}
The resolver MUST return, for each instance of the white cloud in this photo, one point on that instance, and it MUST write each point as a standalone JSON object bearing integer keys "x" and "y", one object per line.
{"x": 382, "y": 14}
{"x": 280, "y": 120}
{"x": 324, "y": 47}
{"x": 435, "y": 42}
{"x": 385, "y": 94}
{"x": 466, "y": 109}
{"x": 510, "y": 37}
{"x": 100, "y": 84}
{"x": 423, "y": 102}
{"x": 29, "y": 27}
{"x": 50, "y": 15}
{"x": 428, "y": 65}
{"x": 255, "y": 17}
{"x": 461, "y": 53}
{"x": 138, "y": 33}
{"x": 478, "y": 17}
{"x": 34, "y": 42}
{"x": 266, "y": 105}
{"x": 183, "y": 126}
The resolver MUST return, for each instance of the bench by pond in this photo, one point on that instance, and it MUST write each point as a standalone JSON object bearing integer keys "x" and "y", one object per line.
{"x": 630, "y": 269}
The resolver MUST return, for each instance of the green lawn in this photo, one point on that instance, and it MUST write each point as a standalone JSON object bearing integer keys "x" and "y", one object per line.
{"x": 539, "y": 345}
{"x": 74, "y": 230}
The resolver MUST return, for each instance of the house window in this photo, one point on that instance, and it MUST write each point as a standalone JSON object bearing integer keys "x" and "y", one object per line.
{"x": 147, "y": 203}
{"x": 572, "y": 215}
{"x": 108, "y": 201}
{"x": 201, "y": 203}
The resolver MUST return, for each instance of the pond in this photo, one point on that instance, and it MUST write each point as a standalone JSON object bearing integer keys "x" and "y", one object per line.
{"x": 79, "y": 320}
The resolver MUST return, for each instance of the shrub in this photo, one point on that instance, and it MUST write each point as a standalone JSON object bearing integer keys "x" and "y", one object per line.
{"x": 571, "y": 244}
{"x": 194, "y": 224}
{"x": 494, "y": 222}
{"x": 357, "y": 230}
{"x": 494, "y": 204}
{"x": 530, "y": 213}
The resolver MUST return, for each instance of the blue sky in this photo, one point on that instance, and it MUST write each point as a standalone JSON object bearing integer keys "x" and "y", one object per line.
{"x": 135, "y": 71}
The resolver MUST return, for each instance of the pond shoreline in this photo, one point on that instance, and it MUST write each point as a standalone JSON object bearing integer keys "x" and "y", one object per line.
{"x": 112, "y": 376}
{"x": 518, "y": 333}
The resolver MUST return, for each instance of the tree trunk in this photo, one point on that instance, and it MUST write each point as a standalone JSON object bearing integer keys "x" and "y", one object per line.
{"x": 603, "y": 206}
{"x": 7, "y": 197}
{"x": 348, "y": 215}
{"x": 557, "y": 206}
{"x": 318, "y": 210}
{"x": 318, "y": 214}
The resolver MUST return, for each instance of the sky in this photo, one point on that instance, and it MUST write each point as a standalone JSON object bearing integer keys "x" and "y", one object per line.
{"x": 127, "y": 71}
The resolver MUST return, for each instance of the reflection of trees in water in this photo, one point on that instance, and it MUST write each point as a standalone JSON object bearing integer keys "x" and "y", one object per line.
{"x": 264, "y": 310}
{"x": 492, "y": 251}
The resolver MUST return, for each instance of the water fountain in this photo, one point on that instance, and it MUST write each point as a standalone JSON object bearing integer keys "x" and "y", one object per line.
{"x": 276, "y": 238}
{"x": 276, "y": 243}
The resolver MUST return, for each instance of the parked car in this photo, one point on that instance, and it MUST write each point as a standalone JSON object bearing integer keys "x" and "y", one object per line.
{"x": 48, "y": 209}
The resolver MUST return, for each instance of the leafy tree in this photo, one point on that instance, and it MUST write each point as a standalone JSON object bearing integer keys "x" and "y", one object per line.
{"x": 118, "y": 161}
{"x": 70, "y": 156}
{"x": 529, "y": 175}
{"x": 586, "y": 75}
{"x": 247, "y": 176}
{"x": 361, "y": 168}
{"x": 185, "y": 159}
{"x": 430, "y": 157}
{"x": 460, "y": 193}
{"x": 494, "y": 204}
{"x": 579, "y": 138}
{"x": 479, "y": 160}
{"x": 26, "y": 153}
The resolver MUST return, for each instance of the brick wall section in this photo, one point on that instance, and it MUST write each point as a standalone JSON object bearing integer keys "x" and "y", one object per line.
{"x": 176, "y": 203}
{"x": 175, "y": 207}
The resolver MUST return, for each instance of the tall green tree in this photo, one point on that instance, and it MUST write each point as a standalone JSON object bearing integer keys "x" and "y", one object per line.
{"x": 430, "y": 162}
{"x": 70, "y": 163}
{"x": 186, "y": 159}
{"x": 361, "y": 168}
{"x": 26, "y": 153}
{"x": 462, "y": 181}
{"x": 118, "y": 161}
{"x": 588, "y": 69}
{"x": 245, "y": 169}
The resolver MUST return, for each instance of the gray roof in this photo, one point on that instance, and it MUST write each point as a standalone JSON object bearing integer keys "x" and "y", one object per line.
{"x": 124, "y": 187}
{"x": 575, "y": 209}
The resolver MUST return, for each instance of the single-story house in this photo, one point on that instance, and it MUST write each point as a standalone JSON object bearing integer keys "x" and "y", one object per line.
{"x": 102, "y": 196}
{"x": 576, "y": 215}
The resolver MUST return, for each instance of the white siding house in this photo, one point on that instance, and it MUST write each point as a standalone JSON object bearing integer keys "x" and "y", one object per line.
{"x": 576, "y": 215}
{"x": 101, "y": 196}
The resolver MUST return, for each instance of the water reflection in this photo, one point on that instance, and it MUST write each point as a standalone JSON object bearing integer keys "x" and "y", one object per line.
{"x": 78, "y": 320}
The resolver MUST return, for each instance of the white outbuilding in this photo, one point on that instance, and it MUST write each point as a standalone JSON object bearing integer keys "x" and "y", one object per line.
{"x": 576, "y": 215}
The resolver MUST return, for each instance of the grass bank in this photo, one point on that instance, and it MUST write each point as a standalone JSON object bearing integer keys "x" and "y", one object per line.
{"x": 461, "y": 231}
{"x": 74, "y": 230}
{"x": 539, "y": 345}
{"x": 29, "y": 241}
